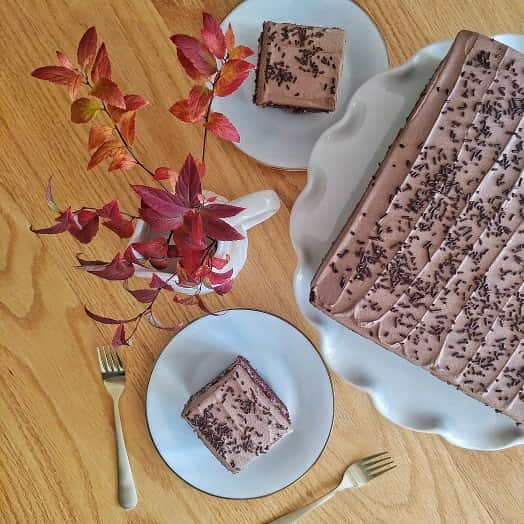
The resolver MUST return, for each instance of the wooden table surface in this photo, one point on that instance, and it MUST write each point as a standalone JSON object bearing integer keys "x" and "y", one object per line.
{"x": 57, "y": 457}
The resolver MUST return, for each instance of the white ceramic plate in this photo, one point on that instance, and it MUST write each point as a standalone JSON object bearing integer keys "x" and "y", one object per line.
{"x": 341, "y": 165}
{"x": 279, "y": 138}
{"x": 283, "y": 356}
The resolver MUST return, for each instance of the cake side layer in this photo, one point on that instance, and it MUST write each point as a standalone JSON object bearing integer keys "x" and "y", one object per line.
{"x": 430, "y": 264}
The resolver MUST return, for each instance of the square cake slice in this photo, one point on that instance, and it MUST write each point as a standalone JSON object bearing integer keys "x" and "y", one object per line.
{"x": 299, "y": 67}
{"x": 237, "y": 416}
{"x": 430, "y": 265}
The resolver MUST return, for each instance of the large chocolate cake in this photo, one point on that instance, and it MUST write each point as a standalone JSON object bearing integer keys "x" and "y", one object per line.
{"x": 430, "y": 264}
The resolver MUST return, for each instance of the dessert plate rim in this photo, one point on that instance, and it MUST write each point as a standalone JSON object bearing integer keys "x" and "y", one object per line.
{"x": 325, "y": 438}
{"x": 320, "y": 171}
{"x": 284, "y": 140}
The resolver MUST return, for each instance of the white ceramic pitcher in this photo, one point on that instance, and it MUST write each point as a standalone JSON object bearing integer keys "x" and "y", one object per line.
{"x": 258, "y": 207}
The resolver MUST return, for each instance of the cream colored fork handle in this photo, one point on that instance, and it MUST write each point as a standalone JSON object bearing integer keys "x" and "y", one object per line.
{"x": 299, "y": 513}
{"x": 126, "y": 485}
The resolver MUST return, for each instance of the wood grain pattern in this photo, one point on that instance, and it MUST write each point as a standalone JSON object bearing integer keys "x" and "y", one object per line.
{"x": 56, "y": 435}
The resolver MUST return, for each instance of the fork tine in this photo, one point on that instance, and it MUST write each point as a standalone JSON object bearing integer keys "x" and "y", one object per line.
{"x": 119, "y": 360}
{"x": 109, "y": 364}
{"x": 114, "y": 363}
{"x": 373, "y": 471}
{"x": 382, "y": 471}
{"x": 100, "y": 363}
{"x": 365, "y": 460}
{"x": 369, "y": 465}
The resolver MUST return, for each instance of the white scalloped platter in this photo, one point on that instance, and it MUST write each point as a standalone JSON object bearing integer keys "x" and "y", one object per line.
{"x": 341, "y": 164}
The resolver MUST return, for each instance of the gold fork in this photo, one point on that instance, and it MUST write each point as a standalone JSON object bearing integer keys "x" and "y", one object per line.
{"x": 358, "y": 474}
{"x": 114, "y": 377}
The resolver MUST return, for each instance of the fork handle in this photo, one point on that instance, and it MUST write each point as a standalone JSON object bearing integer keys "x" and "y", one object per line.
{"x": 126, "y": 485}
{"x": 299, "y": 513}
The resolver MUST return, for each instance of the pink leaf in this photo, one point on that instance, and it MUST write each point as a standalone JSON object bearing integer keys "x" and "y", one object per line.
{"x": 165, "y": 173}
{"x": 190, "y": 70}
{"x": 161, "y": 201}
{"x": 219, "y": 263}
{"x": 188, "y": 186}
{"x": 107, "y": 91}
{"x": 196, "y": 53}
{"x": 159, "y": 222}
{"x": 73, "y": 86}
{"x": 220, "y": 125}
{"x": 222, "y": 210}
{"x": 158, "y": 283}
{"x": 64, "y": 60}
{"x": 117, "y": 269}
{"x": 213, "y": 36}
{"x": 219, "y": 230}
{"x": 197, "y": 232}
{"x": 87, "y": 48}
{"x": 101, "y": 66}
{"x": 119, "y": 338}
{"x": 64, "y": 223}
{"x": 55, "y": 74}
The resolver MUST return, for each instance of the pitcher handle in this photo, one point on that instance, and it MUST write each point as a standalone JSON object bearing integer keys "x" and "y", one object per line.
{"x": 259, "y": 206}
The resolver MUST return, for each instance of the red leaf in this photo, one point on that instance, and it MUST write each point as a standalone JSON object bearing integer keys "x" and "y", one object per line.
{"x": 117, "y": 269}
{"x": 158, "y": 283}
{"x": 143, "y": 295}
{"x": 98, "y": 135}
{"x": 50, "y": 199}
{"x": 196, "y": 53}
{"x": 55, "y": 74}
{"x": 222, "y": 210}
{"x": 219, "y": 263}
{"x": 87, "y": 48}
{"x": 106, "y": 150}
{"x": 83, "y": 109}
{"x": 193, "y": 108}
{"x": 213, "y": 36}
{"x": 172, "y": 251}
{"x": 155, "y": 248}
{"x": 135, "y": 102}
{"x": 185, "y": 301}
{"x": 64, "y": 60}
{"x": 159, "y": 222}
{"x": 107, "y": 91}
{"x": 103, "y": 320}
{"x": 122, "y": 160}
{"x": 232, "y": 76}
{"x": 73, "y": 86}
{"x": 161, "y": 201}
{"x": 201, "y": 168}
{"x": 222, "y": 127}
{"x": 90, "y": 264}
{"x": 219, "y": 230}
{"x": 224, "y": 288}
{"x": 128, "y": 126}
{"x": 88, "y": 229}
{"x": 190, "y": 70}
{"x": 165, "y": 173}
{"x": 229, "y": 38}
{"x": 240, "y": 52}
{"x": 197, "y": 232}
{"x": 188, "y": 186}
{"x": 65, "y": 222}
{"x": 119, "y": 338}
{"x": 115, "y": 221}
{"x": 101, "y": 66}
{"x": 220, "y": 278}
